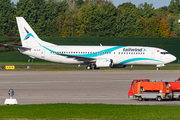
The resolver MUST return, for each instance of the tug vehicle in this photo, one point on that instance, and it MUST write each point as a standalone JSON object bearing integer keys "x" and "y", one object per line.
{"x": 152, "y": 90}
{"x": 130, "y": 93}
{"x": 175, "y": 90}
{"x": 143, "y": 89}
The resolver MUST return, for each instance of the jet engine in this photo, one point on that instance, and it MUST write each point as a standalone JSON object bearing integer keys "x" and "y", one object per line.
{"x": 104, "y": 63}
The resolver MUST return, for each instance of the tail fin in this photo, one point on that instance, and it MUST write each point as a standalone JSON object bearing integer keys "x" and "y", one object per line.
{"x": 27, "y": 35}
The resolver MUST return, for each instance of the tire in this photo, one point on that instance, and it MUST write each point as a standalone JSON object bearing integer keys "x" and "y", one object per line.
{"x": 157, "y": 68}
{"x": 89, "y": 67}
{"x": 140, "y": 98}
{"x": 179, "y": 98}
{"x": 96, "y": 68}
{"x": 159, "y": 98}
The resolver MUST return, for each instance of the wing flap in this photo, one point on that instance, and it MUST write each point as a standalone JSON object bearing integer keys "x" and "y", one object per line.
{"x": 79, "y": 58}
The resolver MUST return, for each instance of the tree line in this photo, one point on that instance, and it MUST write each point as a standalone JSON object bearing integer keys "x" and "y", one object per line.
{"x": 91, "y": 18}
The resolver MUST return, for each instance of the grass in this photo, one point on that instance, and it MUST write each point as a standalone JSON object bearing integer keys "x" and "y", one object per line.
{"x": 44, "y": 66}
{"x": 89, "y": 111}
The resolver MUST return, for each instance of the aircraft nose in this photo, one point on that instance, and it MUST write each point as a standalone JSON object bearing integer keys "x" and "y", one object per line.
{"x": 173, "y": 58}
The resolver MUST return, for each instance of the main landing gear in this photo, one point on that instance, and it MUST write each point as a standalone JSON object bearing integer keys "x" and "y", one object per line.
{"x": 157, "y": 68}
{"x": 89, "y": 67}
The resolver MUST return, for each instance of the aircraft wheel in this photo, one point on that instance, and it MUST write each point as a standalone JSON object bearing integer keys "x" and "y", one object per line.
{"x": 89, "y": 67}
{"x": 157, "y": 68}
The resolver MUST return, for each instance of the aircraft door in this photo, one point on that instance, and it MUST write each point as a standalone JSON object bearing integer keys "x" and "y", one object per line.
{"x": 152, "y": 54}
{"x": 42, "y": 54}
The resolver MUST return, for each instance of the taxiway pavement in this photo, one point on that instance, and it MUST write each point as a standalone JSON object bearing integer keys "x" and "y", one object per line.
{"x": 96, "y": 86}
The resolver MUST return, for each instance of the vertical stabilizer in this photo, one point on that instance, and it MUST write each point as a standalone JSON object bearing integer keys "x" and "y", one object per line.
{"x": 27, "y": 35}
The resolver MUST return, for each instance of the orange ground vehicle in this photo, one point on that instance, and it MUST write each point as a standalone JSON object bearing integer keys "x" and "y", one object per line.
{"x": 175, "y": 90}
{"x": 152, "y": 90}
{"x": 130, "y": 93}
{"x": 144, "y": 89}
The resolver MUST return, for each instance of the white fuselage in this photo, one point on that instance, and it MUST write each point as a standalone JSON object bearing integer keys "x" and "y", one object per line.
{"x": 126, "y": 55}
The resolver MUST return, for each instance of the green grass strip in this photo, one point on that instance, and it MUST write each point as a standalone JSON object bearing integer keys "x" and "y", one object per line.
{"x": 90, "y": 111}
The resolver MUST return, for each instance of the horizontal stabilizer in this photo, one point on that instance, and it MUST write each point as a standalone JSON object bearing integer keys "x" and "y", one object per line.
{"x": 16, "y": 46}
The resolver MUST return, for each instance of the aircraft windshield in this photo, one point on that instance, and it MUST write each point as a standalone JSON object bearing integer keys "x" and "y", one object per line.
{"x": 164, "y": 53}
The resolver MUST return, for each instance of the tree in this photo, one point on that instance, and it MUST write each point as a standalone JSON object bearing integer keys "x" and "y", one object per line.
{"x": 82, "y": 20}
{"x": 151, "y": 27}
{"x": 176, "y": 26}
{"x": 164, "y": 8}
{"x": 136, "y": 29}
{"x": 164, "y": 28}
{"x": 106, "y": 19}
{"x": 125, "y": 20}
{"x": 60, "y": 22}
{"x": 174, "y": 7}
{"x": 80, "y": 3}
{"x": 126, "y": 5}
{"x": 7, "y": 15}
{"x": 170, "y": 20}
{"x": 92, "y": 15}
{"x": 146, "y": 10}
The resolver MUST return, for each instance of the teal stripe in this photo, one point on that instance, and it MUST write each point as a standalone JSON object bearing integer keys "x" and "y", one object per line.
{"x": 138, "y": 59}
{"x": 99, "y": 53}
{"x": 28, "y": 35}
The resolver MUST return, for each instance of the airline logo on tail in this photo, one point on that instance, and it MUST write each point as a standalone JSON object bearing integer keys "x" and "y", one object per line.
{"x": 28, "y": 34}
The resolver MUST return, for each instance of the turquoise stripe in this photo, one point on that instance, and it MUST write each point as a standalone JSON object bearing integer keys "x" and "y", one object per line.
{"x": 138, "y": 59}
{"x": 46, "y": 48}
{"x": 99, "y": 53}
{"x": 28, "y": 35}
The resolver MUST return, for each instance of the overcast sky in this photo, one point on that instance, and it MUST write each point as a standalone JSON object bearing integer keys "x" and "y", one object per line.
{"x": 156, "y": 3}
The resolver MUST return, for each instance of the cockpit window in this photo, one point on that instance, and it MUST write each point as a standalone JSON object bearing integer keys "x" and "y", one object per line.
{"x": 164, "y": 53}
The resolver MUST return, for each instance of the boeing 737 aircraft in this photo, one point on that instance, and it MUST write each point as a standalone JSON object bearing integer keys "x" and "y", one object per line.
{"x": 97, "y": 56}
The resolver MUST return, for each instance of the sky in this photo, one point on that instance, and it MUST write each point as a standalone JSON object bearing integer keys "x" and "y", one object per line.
{"x": 156, "y": 3}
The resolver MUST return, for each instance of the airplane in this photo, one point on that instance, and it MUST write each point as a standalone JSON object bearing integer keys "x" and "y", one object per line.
{"x": 97, "y": 56}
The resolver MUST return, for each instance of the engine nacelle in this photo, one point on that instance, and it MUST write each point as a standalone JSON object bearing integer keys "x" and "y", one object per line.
{"x": 118, "y": 66}
{"x": 104, "y": 63}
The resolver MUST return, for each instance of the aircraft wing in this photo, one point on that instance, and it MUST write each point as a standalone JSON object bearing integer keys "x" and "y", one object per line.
{"x": 79, "y": 58}
{"x": 16, "y": 46}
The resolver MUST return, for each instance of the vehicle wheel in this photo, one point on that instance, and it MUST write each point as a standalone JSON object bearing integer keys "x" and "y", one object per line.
{"x": 140, "y": 98}
{"x": 159, "y": 98}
